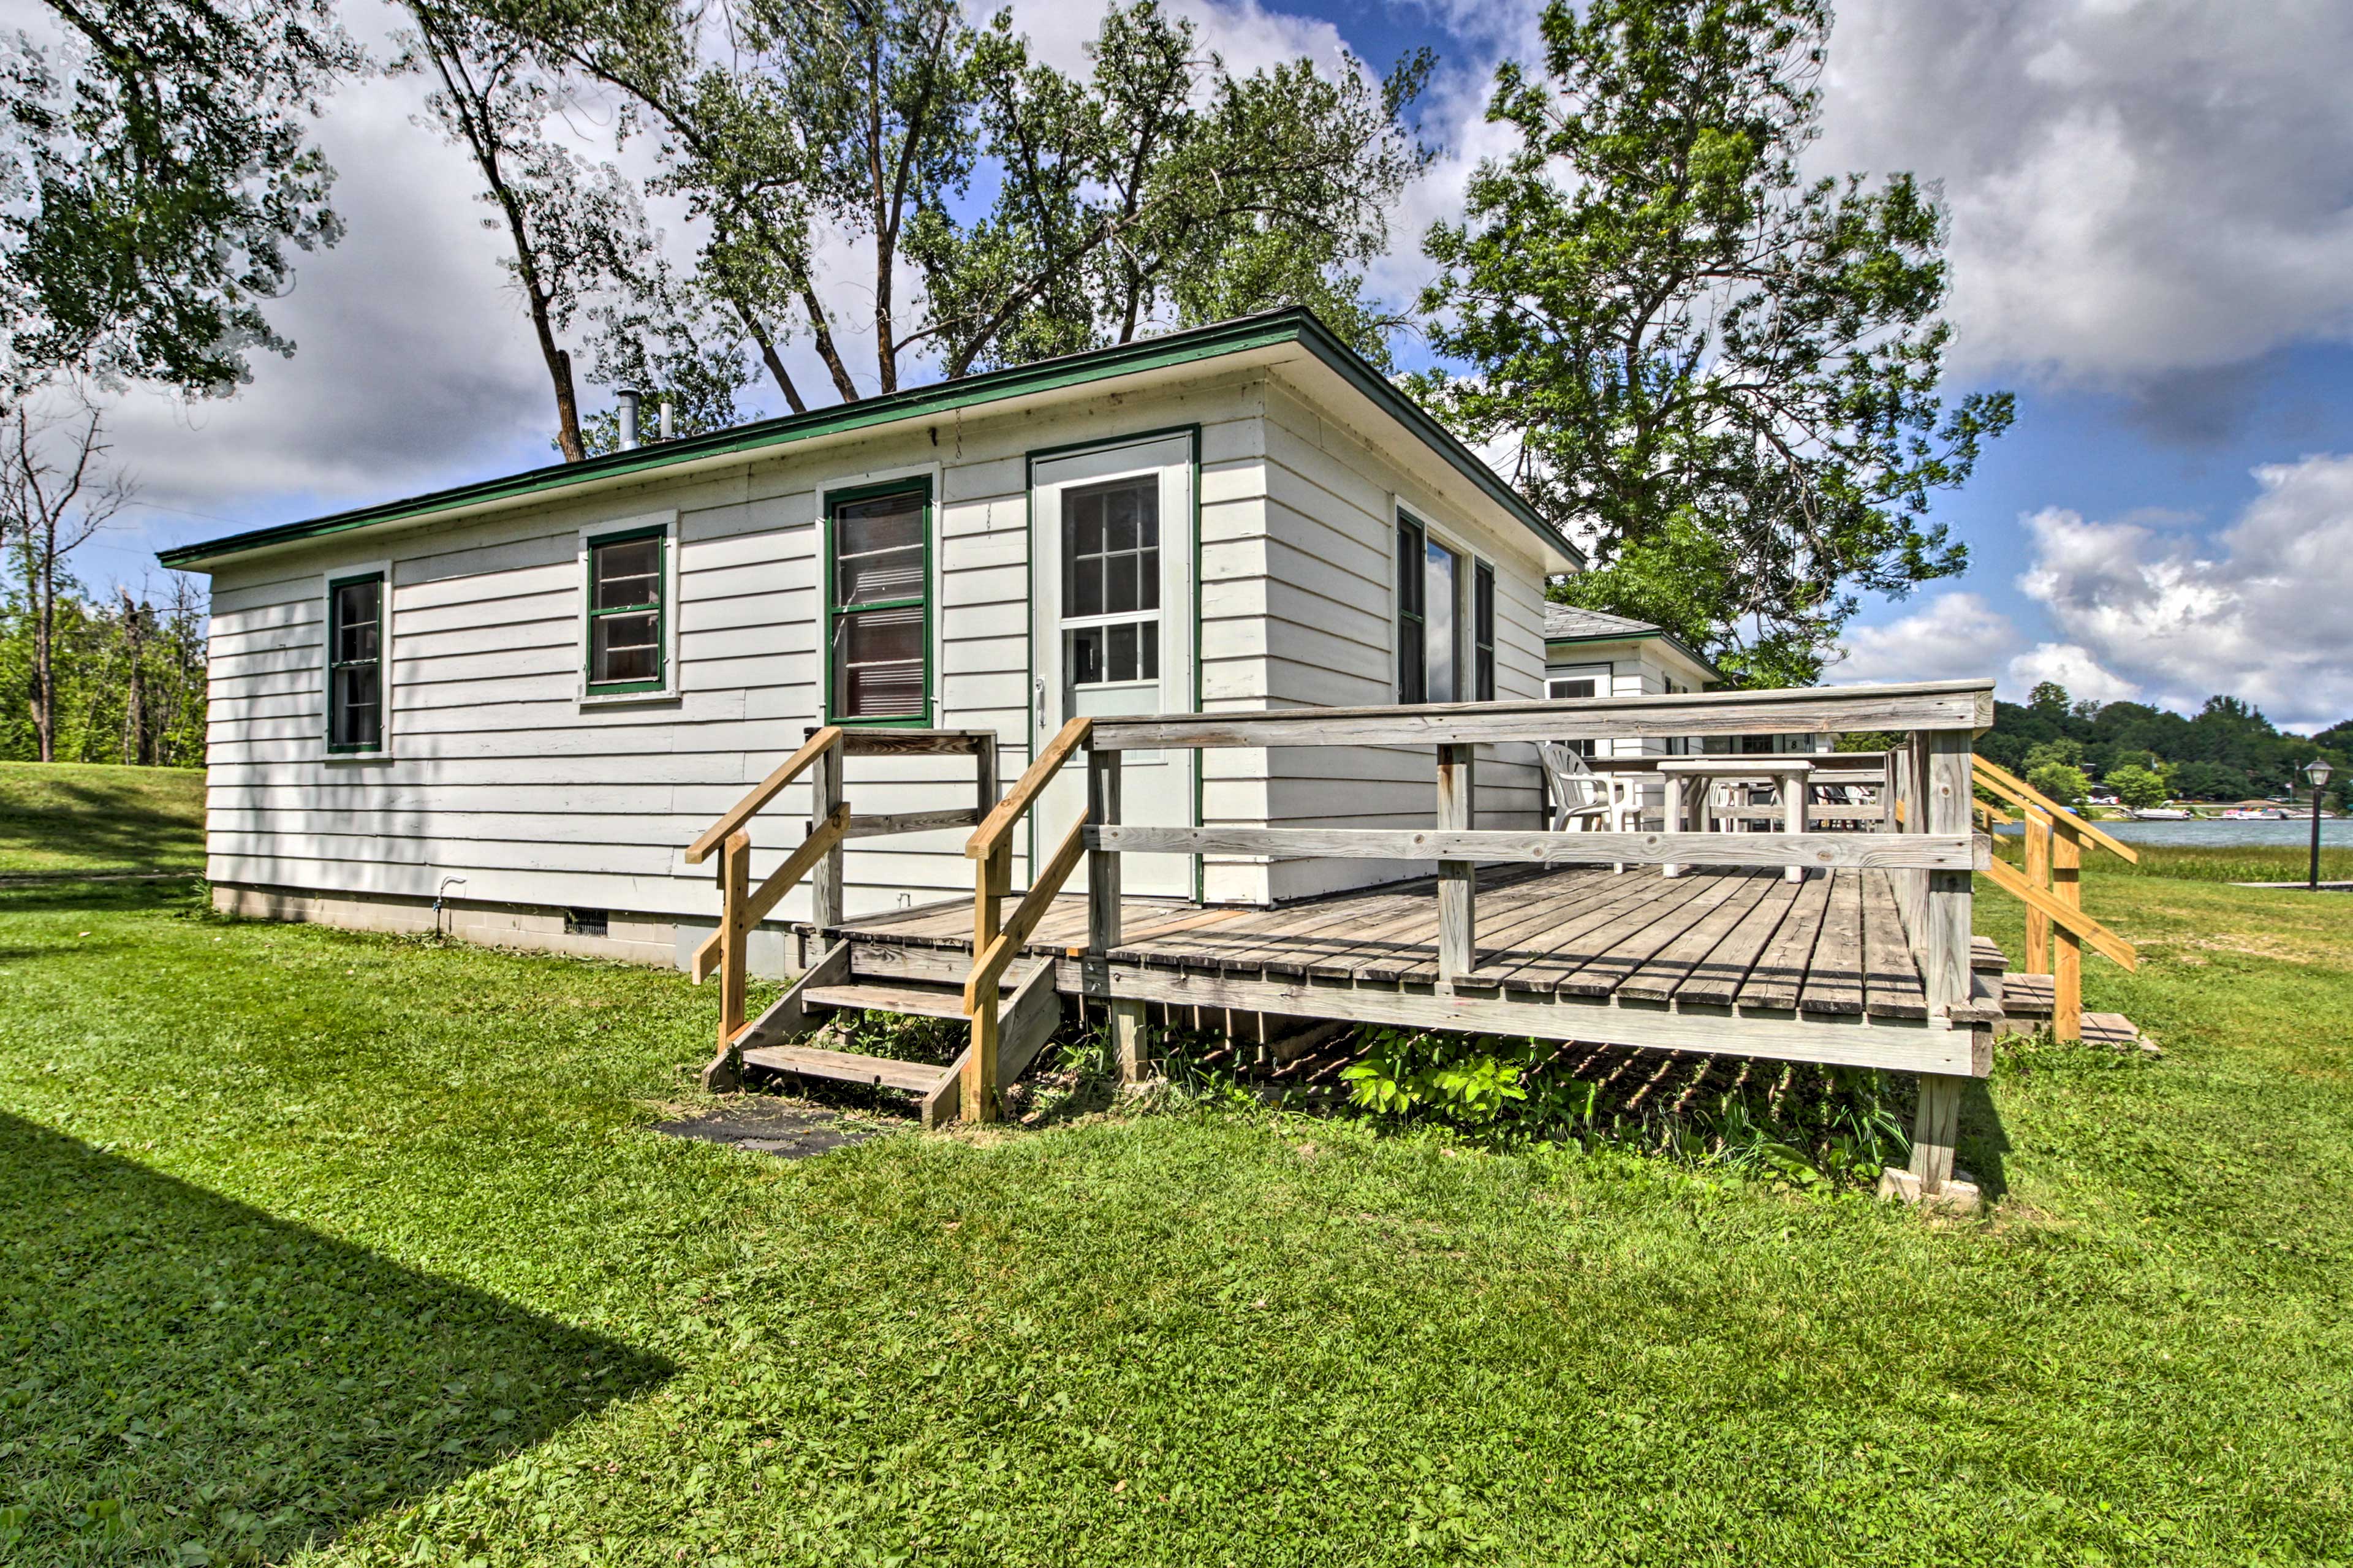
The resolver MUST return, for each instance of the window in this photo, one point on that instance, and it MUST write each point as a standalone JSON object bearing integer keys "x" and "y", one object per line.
{"x": 1483, "y": 634}
{"x": 879, "y": 612}
{"x": 625, "y": 587}
{"x": 355, "y": 664}
{"x": 1111, "y": 582}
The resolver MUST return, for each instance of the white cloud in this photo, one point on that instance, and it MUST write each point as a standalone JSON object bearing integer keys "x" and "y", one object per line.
{"x": 2136, "y": 188}
{"x": 1950, "y": 637}
{"x": 2263, "y": 610}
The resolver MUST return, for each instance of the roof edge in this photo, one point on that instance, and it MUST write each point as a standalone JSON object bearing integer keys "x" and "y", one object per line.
{"x": 1661, "y": 633}
{"x": 1293, "y": 324}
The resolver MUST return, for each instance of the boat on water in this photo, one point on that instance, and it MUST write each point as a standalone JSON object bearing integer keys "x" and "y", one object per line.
{"x": 2259, "y": 813}
{"x": 2162, "y": 813}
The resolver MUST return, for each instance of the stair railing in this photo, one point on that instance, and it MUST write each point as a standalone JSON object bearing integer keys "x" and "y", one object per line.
{"x": 998, "y": 937}
{"x": 818, "y": 856}
{"x": 2057, "y": 928}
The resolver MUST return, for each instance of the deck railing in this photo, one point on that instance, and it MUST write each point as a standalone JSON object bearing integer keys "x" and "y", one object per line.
{"x": 2057, "y": 928}
{"x": 818, "y": 856}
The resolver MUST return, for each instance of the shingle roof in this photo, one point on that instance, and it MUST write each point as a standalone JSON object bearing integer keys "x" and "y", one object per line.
{"x": 1566, "y": 621}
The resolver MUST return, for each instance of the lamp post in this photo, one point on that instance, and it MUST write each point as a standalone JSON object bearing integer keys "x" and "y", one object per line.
{"x": 2317, "y": 771}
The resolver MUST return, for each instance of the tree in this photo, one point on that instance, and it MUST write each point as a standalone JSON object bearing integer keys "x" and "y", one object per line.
{"x": 56, "y": 491}
{"x": 1720, "y": 375}
{"x": 161, "y": 179}
{"x": 2136, "y": 786}
{"x": 574, "y": 230}
{"x": 2065, "y": 784}
{"x": 1162, "y": 182}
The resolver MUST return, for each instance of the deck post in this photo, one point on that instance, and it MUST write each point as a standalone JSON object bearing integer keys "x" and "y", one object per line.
{"x": 2038, "y": 872}
{"x": 2067, "y": 966}
{"x": 992, "y": 881}
{"x": 984, "y": 755}
{"x": 735, "y": 897}
{"x": 1935, "y": 1131}
{"x": 1126, "y": 1018}
{"x": 1458, "y": 937}
{"x": 1945, "y": 962}
{"x": 825, "y": 878}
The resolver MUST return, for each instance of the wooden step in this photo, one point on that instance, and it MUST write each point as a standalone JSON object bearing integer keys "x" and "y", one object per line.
{"x": 850, "y": 1067}
{"x": 902, "y": 996}
{"x": 2028, "y": 996}
{"x": 2109, "y": 1029}
{"x": 1986, "y": 955}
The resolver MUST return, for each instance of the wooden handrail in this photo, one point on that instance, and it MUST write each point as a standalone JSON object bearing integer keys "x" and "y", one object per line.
{"x": 998, "y": 823}
{"x": 744, "y": 810}
{"x": 2019, "y": 793}
{"x": 2063, "y": 914}
{"x": 1934, "y": 705}
{"x": 989, "y": 966}
{"x": 1915, "y": 851}
{"x": 756, "y": 905}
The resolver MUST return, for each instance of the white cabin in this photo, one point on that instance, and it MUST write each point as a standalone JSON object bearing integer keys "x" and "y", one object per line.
{"x": 503, "y": 711}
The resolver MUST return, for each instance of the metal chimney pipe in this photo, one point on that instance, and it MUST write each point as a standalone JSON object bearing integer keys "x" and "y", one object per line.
{"x": 669, "y": 424}
{"x": 627, "y": 398}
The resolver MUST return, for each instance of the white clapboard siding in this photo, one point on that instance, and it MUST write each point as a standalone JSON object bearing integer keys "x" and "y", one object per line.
{"x": 498, "y": 773}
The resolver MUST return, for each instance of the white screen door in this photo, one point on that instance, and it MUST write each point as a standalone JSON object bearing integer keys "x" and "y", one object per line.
{"x": 1111, "y": 631}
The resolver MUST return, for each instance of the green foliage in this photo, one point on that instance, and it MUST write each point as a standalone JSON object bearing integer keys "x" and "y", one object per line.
{"x": 2136, "y": 786}
{"x": 96, "y": 650}
{"x": 1043, "y": 212}
{"x": 2062, "y": 783}
{"x": 1723, "y": 372}
{"x": 160, "y": 149}
{"x": 289, "y": 1203}
{"x": 1788, "y": 1124}
{"x": 2227, "y": 751}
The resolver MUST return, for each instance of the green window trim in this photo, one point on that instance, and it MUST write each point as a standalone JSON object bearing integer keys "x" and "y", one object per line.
{"x": 835, "y": 610}
{"x": 1412, "y": 624}
{"x": 1483, "y": 632}
{"x": 659, "y": 605}
{"x": 335, "y": 663}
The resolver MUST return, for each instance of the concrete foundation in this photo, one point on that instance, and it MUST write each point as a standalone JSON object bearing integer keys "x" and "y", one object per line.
{"x": 662, "y": 940}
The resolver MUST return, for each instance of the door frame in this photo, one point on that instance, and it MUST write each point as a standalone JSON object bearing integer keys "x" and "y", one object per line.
{"x": 1192, "y": 610}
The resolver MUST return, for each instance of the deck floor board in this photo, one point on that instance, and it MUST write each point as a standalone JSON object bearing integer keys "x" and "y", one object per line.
{"x": 1829, "y": 945}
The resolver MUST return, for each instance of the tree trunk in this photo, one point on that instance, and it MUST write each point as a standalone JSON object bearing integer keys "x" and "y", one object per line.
{"x": 45, "y": 613}
{"x": 138, "y": 735}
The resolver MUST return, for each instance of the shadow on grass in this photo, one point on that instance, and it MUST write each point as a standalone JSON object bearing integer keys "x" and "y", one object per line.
{"x": 1984, "y": 1143}
{"x": 96, "y": 822}
{"x": 177, "y": 1367}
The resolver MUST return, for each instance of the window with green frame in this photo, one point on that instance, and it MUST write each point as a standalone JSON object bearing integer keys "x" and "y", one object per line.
{"x": 355, "y": 663}
{"x": 628, "y": 585}
{"x": 878, "y": 604}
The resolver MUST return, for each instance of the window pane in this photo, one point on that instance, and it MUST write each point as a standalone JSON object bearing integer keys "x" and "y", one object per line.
{"x": 356, "y": 628}
{"x": 1119, "y": 585}
{"x": 1438, "y": 613}
{"x": 1082, "y": 525}
{"x": 1413, "y": 681}
{"x": 1483, "y": 634}
{"x": 884, "y": 575}
{"x": 627, "y": 574}
{"x": 886, "y": 522}
{"x": 1086, "y": 656}
{"x": 1119, "y": 519}
{"x": 1558, "y": 688}
{"x": 1149, "y": 655}
{"x": 1484, "y": 690}
{"x": 879, "y": 664}
{"x": 1119, "y": 652}
{"x": 354, "y": 711}
{"x": 624, "y": 648}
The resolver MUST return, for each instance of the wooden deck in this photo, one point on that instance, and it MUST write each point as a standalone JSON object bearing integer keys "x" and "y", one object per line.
{"x": 1735, "y": 960}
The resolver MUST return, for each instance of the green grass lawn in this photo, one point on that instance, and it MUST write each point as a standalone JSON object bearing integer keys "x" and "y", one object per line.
{"x": 89, "y": 817}
{"x": 310, "y": 1237}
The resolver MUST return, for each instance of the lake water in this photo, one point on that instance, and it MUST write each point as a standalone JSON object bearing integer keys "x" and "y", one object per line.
{"x": 2218, "y": 835}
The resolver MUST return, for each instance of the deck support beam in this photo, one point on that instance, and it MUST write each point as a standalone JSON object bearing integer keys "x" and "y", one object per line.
{"x": 1458, "y": 936}
{"x": 2067, "y": 946}
{"x": 1945, "y": 804}
{"x": 1935, "y": 1131}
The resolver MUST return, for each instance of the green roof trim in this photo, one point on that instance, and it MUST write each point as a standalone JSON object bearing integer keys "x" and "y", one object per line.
{"x": 1661, "y": 633}
{"x": 1271, "y": 329}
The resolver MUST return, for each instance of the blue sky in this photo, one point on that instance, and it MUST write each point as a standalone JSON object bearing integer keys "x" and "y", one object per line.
{"x": 2152, "y": 243}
